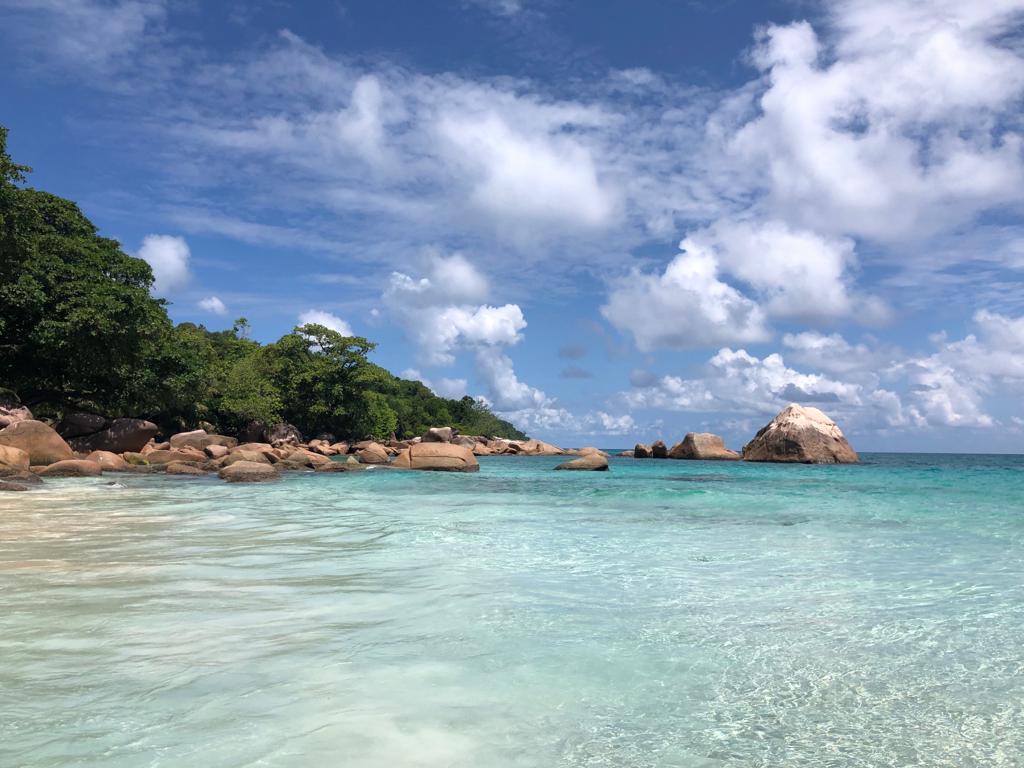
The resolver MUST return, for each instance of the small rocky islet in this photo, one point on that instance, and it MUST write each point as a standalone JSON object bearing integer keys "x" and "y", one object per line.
{"x": 83, "y": 445}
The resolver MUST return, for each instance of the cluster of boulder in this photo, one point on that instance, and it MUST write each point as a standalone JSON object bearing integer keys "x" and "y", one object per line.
{"x": 695, "y": 445}
{"x": 84, "y": 445}
{"x": 798, "y": 434}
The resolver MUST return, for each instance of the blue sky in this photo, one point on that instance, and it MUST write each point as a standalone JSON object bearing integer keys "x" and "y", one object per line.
{"x": 614, "y": 221}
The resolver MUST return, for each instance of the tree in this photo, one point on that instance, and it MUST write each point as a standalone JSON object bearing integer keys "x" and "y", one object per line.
{"x": 77, "y": 323}
{"x": 316, "y": 371}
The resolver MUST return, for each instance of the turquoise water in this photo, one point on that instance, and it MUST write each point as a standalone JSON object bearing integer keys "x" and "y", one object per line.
{"x": 663, "y": 614}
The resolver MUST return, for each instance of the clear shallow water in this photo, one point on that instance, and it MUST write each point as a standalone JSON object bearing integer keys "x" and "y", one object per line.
{"x": 663, "y": 614}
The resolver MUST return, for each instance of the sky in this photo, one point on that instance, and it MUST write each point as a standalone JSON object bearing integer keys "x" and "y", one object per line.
{"x": 613, "y": 221}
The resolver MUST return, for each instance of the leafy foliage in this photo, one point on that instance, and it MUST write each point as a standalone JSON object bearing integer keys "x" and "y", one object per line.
{"x": 80, "y": 330}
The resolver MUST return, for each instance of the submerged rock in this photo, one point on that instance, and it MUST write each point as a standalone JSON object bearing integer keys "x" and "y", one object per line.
{"x": 800, "y": 434}
{"x": 8, "y": 485}
{"x": 702, "y": 445}
{"x": 21, "y": 477}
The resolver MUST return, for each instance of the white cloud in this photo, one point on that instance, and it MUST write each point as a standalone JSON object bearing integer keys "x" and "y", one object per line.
{"x": 168, "y": 256}
{"x": 73, "y": 27}
{"x": 608, "y": 424}
{"x": 506, "y": 391}
{"x": 834, "y": 354}
{"x": 685, "y": 307}
{"x": 326, "y": 319}
{"x": 448, "y": 280}
{"x": 444, "y": 387}
{"x": 797, "y": 273}
{"x": 439, "y": 311}
{"x": 540, "y": 175}
{"x": 950, "y": 385}
{"x": 892, "y": 130}
{"x": 214, "y": 305}
{"x": 737, "y": 380}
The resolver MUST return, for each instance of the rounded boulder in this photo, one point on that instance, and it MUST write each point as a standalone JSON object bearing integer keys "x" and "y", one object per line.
{"x": 40, "y": 441}
{"x": 702, "y": 446}
{"x": 437, "y": 457}
{"x": 802, "y": 435}
{"x": 591, "y": 462}
{"x": 249, "y": 472}
{"x": 72, "y": 468}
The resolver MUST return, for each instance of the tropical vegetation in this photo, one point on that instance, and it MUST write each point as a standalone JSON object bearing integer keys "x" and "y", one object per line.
{"x": 81, "y": 330}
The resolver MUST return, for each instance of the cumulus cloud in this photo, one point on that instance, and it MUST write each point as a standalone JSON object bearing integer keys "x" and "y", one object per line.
{"x": 326, "y": 319}
{"x": 437, "y": 313}
{"x": 796, "y": 273}
{"x": 214, "y": 305}
{"x": 888, "y": 127}
{"x": 834, "y": 354}
{"x": 685, "y": 307}
{"x": 444, "y": 387}
{"x": 505, "y": 389}
{"x": 949, "y": 386}
{"x": 439, "y": 310}
{"x": 168, "y": 256}
{"x": 542, "y": 176}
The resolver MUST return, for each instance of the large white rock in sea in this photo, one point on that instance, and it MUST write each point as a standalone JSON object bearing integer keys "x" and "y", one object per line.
{"x": 800, "y": 435}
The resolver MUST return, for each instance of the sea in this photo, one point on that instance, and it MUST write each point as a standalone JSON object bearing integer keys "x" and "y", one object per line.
{"x": 664, "y": 613}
